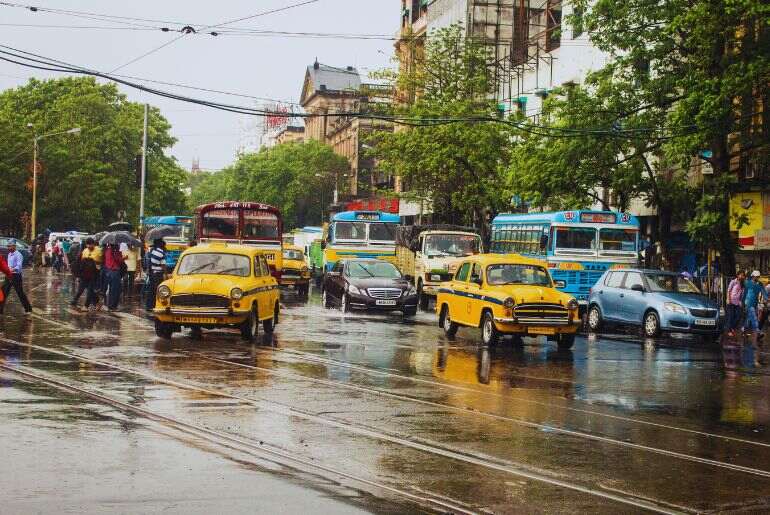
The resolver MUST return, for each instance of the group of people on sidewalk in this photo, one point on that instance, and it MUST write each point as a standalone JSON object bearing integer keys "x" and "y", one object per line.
{"x": 748, "y": 300}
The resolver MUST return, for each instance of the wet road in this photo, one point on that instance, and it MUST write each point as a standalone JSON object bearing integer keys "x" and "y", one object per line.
{"x": 369, "y": 413}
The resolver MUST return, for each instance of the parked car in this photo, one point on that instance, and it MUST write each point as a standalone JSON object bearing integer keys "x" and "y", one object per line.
{"x": 21, "y": 246}
{"x": 368, "y": 284}
{"x": 655, "y": 300}
{"x": 507, "y": 294}
{"x": 218, "y": 285}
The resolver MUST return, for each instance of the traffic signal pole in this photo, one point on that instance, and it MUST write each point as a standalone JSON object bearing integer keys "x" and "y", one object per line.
{"x": 144, "y": 169}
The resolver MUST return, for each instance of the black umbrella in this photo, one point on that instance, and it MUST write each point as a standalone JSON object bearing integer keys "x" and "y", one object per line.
{"x": 119, "y": 226}
{"x": 118, "y": 237}
{"x": 161, "y": 231}
{"x": 98, "y": 236}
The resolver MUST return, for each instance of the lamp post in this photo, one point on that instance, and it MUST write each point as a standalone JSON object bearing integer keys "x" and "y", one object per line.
{"x": 36, "y": 138}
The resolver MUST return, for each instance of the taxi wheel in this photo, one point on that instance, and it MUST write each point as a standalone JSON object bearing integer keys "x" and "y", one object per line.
{"x": 489, "y": 333}
{"x": 450, "y": 328}
{"x": 565, "y": 341}
{"x": 163, "y": 330}
{"x": 196, "y": 333}
{"x": 250, "y": 326}
{"x": 269, "y": 324}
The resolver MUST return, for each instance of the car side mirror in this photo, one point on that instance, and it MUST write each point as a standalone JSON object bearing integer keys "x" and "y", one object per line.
{"x": 477, "y": 281}
{"x": 638, "y": 287}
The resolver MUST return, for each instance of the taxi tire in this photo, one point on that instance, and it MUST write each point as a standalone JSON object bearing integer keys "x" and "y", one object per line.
{"x": 250, "y": 326}
{"x": 450, "y": 328}
{"x": 489, "y": 333}
{"x": 269, "y": 324}
{"x": 565, "y": 341}
{"x": 163, "y": 330}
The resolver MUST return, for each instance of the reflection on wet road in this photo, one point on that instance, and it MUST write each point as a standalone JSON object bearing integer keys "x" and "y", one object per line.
{"x": 376, "y": 413}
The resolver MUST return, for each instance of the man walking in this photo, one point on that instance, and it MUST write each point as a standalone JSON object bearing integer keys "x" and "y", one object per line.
{"x": 735, "y": 302}
{"x": 16, "y": 264}
{"x": 156, "y": 269}
{"x": 754, "y": 294}
{"x": 87, "y": 271}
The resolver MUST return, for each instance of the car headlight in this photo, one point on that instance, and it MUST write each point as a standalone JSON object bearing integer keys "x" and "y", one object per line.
{"x": 572, "y": 304}
{"x": 164, "y": 291}
{"x": 236, "y": 294}
{"x": 355, "y": 290}
{"x": 509, "y": 303}
{"x": 673, "y": 306}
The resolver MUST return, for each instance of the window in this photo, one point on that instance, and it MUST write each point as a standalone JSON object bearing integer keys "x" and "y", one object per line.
{"x": 517, "y": 274}
{"x": 260, "y": 224}
{"x": 382, "y": 232}
{"x": 476, "y": 273}
{"x": 350, "y": 231}
{"x": 614, "y": 279}
{"x": 633, "y": 279}
{"x": 293, "y": 254}
{"x": 583, "y": 238}
{"x": 577, "y": 22}
{"x": 451, "y": 245}
{"x": 216, "y": 264}
{"x": 670, "y": 283}
{"x": 462, "y": 273}
{"x": 220, "y": 223}
{"x": 617, "y": 239}
{"x": 369, "y": 269}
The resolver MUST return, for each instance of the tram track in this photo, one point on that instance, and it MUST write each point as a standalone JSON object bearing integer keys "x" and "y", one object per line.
{"x": 483, "y": 461}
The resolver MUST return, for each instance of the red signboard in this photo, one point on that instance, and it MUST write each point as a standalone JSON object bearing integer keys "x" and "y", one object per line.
{"x": 386, "y": 205}
{"x": 601, "y": 218}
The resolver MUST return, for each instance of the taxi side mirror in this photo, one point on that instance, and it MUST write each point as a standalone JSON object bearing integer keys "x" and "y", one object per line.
{"x": 476, "y": 280}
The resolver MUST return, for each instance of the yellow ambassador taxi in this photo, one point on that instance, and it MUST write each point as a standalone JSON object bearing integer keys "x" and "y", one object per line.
{"x": 218, "y": 285}
{"x": 507, "y": 294}
{"x": 295, "y": 273}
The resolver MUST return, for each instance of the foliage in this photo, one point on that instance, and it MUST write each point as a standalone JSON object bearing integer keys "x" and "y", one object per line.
{"x": 458, "y": 165}
{"x": 298, "y": 178}
{"x": 87, "y": 178}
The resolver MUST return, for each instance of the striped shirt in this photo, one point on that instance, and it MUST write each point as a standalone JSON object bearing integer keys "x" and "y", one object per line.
{"x": 157, "y": 260}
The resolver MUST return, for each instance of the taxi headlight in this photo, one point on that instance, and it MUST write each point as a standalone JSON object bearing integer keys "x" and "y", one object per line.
{"x": 674, "y": 307}
{"x": 509, "y": 303}
{"x": 236, "y": 294}
{"x": 164, "y": 291}
{"x": 572, "y": 304}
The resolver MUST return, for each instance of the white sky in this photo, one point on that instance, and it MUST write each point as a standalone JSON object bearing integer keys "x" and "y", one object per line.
{"x": 271, "y": 67}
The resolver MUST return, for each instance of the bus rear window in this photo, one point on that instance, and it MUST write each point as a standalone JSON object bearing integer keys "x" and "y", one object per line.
{"x": 220, "y": 223}
{"x": 582, "y": 238}
{"x": 260, "y": 224}
{"x": 617, "y": 239}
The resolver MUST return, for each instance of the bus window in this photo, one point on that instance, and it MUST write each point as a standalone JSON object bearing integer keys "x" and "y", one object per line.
{"x": 382, "y": 232}
{"x": 583, "y": 238}
{"x": 260, "y": 224}
{"x": 349, "y": 231}
{"x": 617, "y": 239}
{"x": 220, "y": 223}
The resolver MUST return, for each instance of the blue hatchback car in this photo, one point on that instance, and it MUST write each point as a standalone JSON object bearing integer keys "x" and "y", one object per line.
{"x": 653, "y": 299}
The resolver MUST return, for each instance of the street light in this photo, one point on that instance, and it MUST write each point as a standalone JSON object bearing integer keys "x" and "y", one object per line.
{"x": 33, "y": 223}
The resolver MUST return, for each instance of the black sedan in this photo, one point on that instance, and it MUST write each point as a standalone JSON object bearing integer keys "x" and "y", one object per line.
{"x": 368, "y": 284}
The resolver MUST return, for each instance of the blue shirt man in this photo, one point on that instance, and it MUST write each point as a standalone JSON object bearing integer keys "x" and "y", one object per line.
{"x": 754, "y": 291}
{"x": 15, "y": 263}
{"x": 15, "y": 260}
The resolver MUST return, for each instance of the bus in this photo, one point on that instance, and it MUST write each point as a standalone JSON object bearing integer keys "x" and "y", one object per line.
{"x": 578, "y": 246}
{"x": 246, "y": 223}
{"x": 175, "y": 244}
{"x": 361, "y": 234}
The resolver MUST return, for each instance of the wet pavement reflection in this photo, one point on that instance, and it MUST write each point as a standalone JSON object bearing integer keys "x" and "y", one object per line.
{"x": 383, "y": 414}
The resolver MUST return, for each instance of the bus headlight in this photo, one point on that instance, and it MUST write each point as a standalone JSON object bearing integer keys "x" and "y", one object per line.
{"x": 164, "y": 291}
{"x": 509, "y": 303}
{"x": 572, "y": 305}
{"x": 236, "y": 294}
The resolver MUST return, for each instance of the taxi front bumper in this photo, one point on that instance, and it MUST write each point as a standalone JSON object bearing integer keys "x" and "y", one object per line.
{"x": 544, "y": 326}
{"x": 201, "y": 316}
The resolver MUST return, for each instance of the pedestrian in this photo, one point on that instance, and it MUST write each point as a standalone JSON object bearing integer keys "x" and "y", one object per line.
{"x": 87, "y": 272}
{"x": 131, "y": 255}
{"x": 754, "y": 294}
{"x": 735, "y": 302}
{"x": 156, "y": 261}
{"x": 113, "y": 266}
{"x": 65, "y": 250}
{"x": 56, "y": 251}
{"x": 15, "y": 264}
{"x": 8, "y": 276}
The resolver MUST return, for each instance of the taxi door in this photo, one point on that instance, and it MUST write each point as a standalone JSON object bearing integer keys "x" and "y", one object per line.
{"x": 475, "y": 304}
{"x": 459, "y": 307}
{"x": 263, "y": 280}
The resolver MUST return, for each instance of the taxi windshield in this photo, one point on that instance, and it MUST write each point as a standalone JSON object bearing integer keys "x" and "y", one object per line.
{"x": 295, "y": 255}
{"x": 216, "y": 264}
{"x": 517, "y": 274}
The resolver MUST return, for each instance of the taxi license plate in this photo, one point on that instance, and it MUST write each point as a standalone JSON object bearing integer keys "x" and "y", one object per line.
{"x": 386, "y": 302}
{"x": 195, "y": 320}
{"x": 705, "y": 321}
{"x": 542, "y": 330}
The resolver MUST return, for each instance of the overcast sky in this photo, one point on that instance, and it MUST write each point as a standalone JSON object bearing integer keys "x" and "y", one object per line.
{"x": 271, "y": 67}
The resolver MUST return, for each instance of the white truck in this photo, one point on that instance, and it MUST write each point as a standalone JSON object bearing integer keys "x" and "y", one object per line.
{"x": 427, "y": 255}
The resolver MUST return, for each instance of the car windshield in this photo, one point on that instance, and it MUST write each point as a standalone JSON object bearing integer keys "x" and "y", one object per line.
{"x": 217, "y": 264}
{"x": 670, "y": 283}
{"x": 618, "y": 240}
{"x": 382, "y": 232}
{"x": 296, "y": 255}
{"x": 451, "y": 245}
{"x": 380, "y": 270}
{"x": 350, "y": 231}
{"x": 583, "y": 238}
{"x": 518, "y": 274}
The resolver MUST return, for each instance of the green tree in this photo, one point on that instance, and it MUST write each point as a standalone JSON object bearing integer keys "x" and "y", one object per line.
{"x": 459, "y": 165}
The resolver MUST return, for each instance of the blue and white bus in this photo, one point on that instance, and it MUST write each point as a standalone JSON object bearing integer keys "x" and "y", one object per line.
{"x": 577, "y": 245}
{"x": 361, "y": 234}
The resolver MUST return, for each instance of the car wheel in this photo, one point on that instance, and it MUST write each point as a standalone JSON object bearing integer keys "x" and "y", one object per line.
{"x": 450, "y": 328}
{"x": 196, "y": 333}
{"x": 489, "y": 333}
{"x": 345, "y": 303}
{"x": 594, "y": 318}
{"x": 325, "y": 300}
{"x": 410, "y": 312}
{"x": 565, "y": 341}
{"x": 424, "y": 300}
{"x": 651, "y": 325}
{"x": 269, "y": 324}
{"x": 163, "y": 330}
{"x": 250, "y": 326}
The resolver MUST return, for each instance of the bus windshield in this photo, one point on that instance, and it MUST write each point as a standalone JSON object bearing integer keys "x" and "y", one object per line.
{"x": 451, "y": 245}
{"x": 220, "y": 223}
{"x": 261, "y": 225}
{"x": 350, "y": 231}
{"x": 517, "y": 274}
{"x": 580, "y": 238}
{"x": 382, "y": 232}
{"x": 623, "y": 240}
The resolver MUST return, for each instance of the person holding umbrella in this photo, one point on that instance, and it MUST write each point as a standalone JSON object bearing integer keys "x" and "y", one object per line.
{"x": 14, "y": 279}
{"x": 156, "y": 270}
{"x": 87, "y": 271}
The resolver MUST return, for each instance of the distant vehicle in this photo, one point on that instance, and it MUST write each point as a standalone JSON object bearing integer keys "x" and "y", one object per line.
{"x": 218, "y": 285}
{"x": 295, "y": 273}
{"x": 579, "y": 246}
{"x": 368, "y": 284}
{"x": 361, "y": 234}
{"x": 507, "y": 295}
{"x": 21, "y": 246}
{"x": 52, "y": 237}
{"x": 248, "y": 223}
{"x": 176, "y": 243}
{"x": 304, "y": 238}
{"x": 427, "y": 255}
{"x": 654, "y": 300}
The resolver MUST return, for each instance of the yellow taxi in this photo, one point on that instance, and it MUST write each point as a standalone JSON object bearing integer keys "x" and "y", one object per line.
{"x": 295, "y": 273}
{"x": 507, "y": 295}
{"x": 218, "y": 285}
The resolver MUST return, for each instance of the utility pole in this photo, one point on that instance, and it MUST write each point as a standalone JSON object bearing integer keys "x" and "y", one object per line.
{"x": 144, "y": 169}
{"x": 33, "y": 234}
